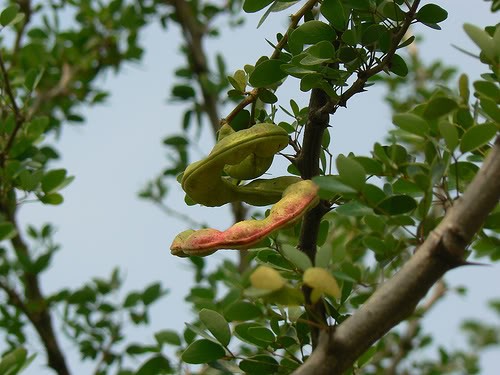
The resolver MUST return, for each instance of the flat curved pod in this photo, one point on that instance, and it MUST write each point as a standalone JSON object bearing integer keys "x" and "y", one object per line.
{"x": 297, "y": 199}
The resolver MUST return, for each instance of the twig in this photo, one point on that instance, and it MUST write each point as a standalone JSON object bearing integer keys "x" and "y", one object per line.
{"x": 19, "y": 119}
{"x": 178, "y": 215}
{"x": 14, "y": 298}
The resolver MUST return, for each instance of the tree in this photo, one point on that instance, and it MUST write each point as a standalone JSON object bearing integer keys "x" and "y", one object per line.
{"x": 421, "y": 204}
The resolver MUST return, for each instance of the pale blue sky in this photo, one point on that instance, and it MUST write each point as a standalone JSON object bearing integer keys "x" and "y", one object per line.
{"x": 103, "y": 224}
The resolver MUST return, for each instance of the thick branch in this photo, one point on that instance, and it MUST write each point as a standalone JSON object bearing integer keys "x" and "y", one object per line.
{"x": 395, "y": 300}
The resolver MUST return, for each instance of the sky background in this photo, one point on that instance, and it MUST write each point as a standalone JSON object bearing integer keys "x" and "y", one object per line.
{"x": 102, "y": 224}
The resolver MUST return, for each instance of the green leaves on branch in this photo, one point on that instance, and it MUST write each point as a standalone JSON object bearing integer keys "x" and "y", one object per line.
{"x": 411, "y": 123}
{"x": 267, "y": 73}
{"x": 10, "y": 16}
{"x": 477, "y": 136}
{"x": 217, "y": 326}
{"x": 488, "y": 45}
{"x": 15, "y": 361}
{"x": 203, "y": 351}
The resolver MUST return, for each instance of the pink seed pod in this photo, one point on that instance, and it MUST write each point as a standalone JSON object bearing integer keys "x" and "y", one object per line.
{"x": 296, "y": 200}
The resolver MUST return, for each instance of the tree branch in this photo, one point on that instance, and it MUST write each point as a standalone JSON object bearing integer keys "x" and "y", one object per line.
{"x": 394, "y": 301}
{"x": 33, "y": 303}
{"x": 19, "y": 119}
{"x": 193, "y": 34}
{"x": 308, "y": 164}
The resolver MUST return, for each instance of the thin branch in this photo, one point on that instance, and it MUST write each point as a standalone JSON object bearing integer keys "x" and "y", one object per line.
{"x": 25, "y": 7}
{"x": 178, "y": 215}
{"x": 61, "y": 88}
{"x": 396, "y": 299}
{"x": 193, "y": 34}
{"x": 14, "y": 298}
{"x": 19, "y": 119}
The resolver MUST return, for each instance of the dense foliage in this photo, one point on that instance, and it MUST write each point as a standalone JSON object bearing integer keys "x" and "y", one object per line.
{"x": 286, "y": 300}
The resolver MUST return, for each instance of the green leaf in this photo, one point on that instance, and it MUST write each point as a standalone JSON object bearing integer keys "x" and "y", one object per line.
{"x": 259, "y": 364}
{"x": 183, "y": 92}
{"x": 334, "y": 13}
{"x": 450, "y": 134}
{"x": 477, "y": 136}
{"x": 136, "y": 349}
{"x": 431, "y": 13}
{"x": 262, "y": 333}
{"x": 488, "y": 89}
{"x": 9, "y": 14}
{"x": 252, "y": 6}
{"x": 323, "y": 256}
{"x": 463, "y": 87}
{"x": 155, "y": 365}
{"x": 482, "y": 40}
{"x": 13, "y": 361}
{"x": 392, "y": 11}
{"x": 310, "y": 81}
{"x": 354, "y": 208}
{"x": 217, "y": 325}
{"x": 238, "y": 80}
{"x": 297, "y": 257}
{"x": 310, "y": 32}
{"x": 52, "y": 180}
{"x": 152, "y": 293}
{"x": 242, "y": 332}
{"x": 490, "y": 108}
{"x": 267, "y": 96}
{"x": 351, "y": 172}
{"x": 167, "y": 336}
{"x": 175, "y": 140}
{"x": 398, "y": 66}
{"x": 411, "y": 123}
{"x": 267, "y": 73}
{"x": 438, "y": 107}
{"x": 376, "y": 244}
{"x": 396, "y": 205}
{"x": 7, "y": 231}
{"x": 52, "y": 198}
{"x": 202, "y": 351}
{"x": 242, "y": 311}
